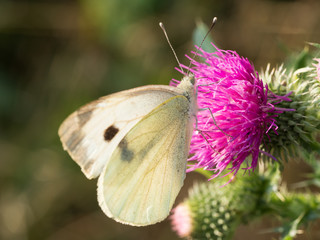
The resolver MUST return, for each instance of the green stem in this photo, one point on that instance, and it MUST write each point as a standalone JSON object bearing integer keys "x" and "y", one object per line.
{"x": 295, "y": 210}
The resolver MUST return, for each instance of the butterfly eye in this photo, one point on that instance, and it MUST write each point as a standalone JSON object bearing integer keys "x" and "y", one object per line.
{"x": 110, "y": 132}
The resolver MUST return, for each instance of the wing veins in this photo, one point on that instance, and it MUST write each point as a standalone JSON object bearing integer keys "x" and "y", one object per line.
{"x": 144, "y": 134}
{"x": 127, "y": 205}
{"x": 153, "y": 170}
{"x": 142, "y": 178}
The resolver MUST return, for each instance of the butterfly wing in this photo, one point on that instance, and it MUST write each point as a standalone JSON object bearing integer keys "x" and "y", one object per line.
{"x": 91, "y": 134}
{"x": 146, "y": 171}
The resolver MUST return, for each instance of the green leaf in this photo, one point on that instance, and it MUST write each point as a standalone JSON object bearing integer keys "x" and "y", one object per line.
{"x": 299, "y": 60}
{"x": 198, "y": 37}
{"x": 317, "y": 45}
{"x": 291, "y": 229}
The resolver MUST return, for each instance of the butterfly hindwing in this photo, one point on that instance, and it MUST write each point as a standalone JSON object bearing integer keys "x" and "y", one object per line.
{"x": 91, "y": 134}
{"x": 146, "y": 171}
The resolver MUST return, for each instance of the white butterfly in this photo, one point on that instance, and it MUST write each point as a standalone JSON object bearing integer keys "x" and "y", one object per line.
{"x": 137, "y": 142}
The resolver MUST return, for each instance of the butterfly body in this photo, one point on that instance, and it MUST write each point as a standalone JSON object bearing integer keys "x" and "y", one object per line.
{"x": 137, "y": 142}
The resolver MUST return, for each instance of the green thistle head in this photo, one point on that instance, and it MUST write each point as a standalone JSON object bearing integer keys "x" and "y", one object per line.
{"x": 298, "y": 129}
{"x": 214, "y": 212}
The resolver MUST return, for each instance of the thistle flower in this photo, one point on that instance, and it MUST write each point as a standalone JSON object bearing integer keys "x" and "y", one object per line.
{"x": 181, "y": 220}
{"x": 298, "y": 129}
{"x": 207, "y": 213}
{"x": 212, "y": 212}
{"x": 236, "y": 109}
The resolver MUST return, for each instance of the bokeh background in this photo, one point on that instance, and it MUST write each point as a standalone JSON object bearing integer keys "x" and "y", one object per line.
{"x": 58, "y": 55}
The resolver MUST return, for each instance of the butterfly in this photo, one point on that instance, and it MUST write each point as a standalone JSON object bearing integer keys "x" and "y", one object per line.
{"x": 137, "y": 142}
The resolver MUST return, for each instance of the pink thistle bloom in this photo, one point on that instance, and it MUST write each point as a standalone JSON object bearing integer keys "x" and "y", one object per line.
{"x": 181, "y": 220}
{"x": 242, "y": 111}
{"x": 317, "y": 66}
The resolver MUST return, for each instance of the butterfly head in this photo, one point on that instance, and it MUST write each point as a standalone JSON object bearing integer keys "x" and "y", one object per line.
{"x": 187, "y": 83}
{"x": 187, "y": 86}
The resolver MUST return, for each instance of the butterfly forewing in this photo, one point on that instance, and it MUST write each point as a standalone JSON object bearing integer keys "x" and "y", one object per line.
{"x": 91, "y": 134}
{"x": 146, "y": 171}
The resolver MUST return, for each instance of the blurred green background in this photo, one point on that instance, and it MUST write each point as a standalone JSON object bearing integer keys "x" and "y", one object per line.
{"x": 58, "y": 55}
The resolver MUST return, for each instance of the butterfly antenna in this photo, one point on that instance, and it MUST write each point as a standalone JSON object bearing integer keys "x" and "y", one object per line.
{"x": 214, "y": 20}
{"x": 174, "y": 53}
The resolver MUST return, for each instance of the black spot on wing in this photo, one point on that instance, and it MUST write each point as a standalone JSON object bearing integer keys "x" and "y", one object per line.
{"x": 110, "y": 132}
{"x": 126, "y": 154}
